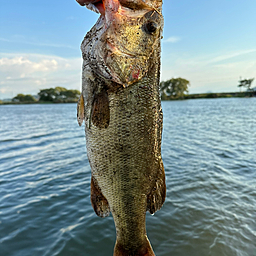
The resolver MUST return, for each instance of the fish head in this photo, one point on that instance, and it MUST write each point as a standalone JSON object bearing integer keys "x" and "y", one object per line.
{"x": 129, "y": 36}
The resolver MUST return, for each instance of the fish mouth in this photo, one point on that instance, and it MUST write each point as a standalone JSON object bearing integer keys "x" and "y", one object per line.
{"x": 95, "y": 5}
{"x": 99, "y": 5}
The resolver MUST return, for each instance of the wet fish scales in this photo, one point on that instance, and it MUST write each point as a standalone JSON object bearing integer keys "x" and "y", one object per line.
{"x": 123, "y": 126}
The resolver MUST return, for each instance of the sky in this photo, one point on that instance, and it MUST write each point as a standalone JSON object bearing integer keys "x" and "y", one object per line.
{"x": 210, "y": 43}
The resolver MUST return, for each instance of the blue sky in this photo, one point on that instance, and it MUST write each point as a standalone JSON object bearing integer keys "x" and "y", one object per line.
{"x": 210, "y": 43}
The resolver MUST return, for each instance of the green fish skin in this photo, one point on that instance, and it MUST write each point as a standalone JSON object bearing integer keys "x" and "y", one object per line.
{"x": 121, "y": 107}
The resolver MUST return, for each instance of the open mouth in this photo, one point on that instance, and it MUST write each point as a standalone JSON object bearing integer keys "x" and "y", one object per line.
{"x": 98, "y": 4}
{"x": 129, "y": 4}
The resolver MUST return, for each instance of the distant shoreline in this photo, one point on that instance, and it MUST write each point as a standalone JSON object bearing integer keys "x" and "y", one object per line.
{"x": 34, "y": 102}
{"x": 212, "y": 96}
{"x": 186, "y": 97}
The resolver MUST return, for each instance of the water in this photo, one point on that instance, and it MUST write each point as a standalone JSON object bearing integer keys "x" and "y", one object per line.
{"x": 209, "y": 152}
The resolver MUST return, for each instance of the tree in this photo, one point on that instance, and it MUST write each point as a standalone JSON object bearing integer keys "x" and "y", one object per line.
{"x": 24, "y": 98}
{"x": 71, "y": 94}
{"x": 58, "y": 94}
{"x": 47, "y": 94}
{"x": 174, "y": 88}
{"x": 246, "y": 83}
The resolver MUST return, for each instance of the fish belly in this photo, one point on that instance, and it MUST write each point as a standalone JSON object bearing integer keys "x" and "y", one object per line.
{"x": 126, "y": 161}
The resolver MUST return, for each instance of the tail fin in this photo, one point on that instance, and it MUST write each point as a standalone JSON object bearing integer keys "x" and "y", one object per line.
{"x": 144, "y": 250}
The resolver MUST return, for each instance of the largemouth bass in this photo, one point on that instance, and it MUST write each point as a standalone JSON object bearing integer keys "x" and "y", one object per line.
{"x": 121, "y": 107}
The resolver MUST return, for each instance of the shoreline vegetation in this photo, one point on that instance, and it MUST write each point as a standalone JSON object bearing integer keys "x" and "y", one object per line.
{"x": 172, "y": 89}
{"x": 178, "y": 89}
{"x": 211, "y": 96}
{"x": 46, "y": 96}
{"x": 185, "y": 97}
{"x": 35, "y": 102}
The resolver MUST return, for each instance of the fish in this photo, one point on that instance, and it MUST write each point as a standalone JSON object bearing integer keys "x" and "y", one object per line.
{"x": 121, "y": 107}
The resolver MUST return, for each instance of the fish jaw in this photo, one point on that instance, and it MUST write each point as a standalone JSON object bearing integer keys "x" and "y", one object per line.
{"x": 129, "y": 45}
{"x": 94, "y": 5}
{"x": 132, "y": 4}
{"x": 124, "y": 45}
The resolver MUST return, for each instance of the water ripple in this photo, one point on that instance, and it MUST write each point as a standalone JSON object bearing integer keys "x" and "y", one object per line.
{"x": 209, "y": 157}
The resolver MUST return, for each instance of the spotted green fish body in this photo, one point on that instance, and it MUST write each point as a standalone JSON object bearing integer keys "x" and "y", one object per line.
{"x": 121, "y": 106}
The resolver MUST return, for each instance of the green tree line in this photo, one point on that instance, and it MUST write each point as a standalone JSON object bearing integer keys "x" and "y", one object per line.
{"x": 178, "y": 88}
{"x": 174, "y": 88}
{"x": 55, "y": 95}
{"x": 24, "y": 98}
{"x": 58, "y": 94}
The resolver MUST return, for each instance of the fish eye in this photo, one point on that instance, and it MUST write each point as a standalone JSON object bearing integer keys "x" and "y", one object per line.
{"x": 150, "y": 27}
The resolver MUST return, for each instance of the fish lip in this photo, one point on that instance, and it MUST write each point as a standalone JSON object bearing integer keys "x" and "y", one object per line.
{"x": 94, "y": 5}
{"x": 99, "y": 5}
{"x": 113, "y": 50}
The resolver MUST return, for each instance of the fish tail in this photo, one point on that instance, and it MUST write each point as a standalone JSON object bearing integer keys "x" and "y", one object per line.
{"x": 144, "y": 250}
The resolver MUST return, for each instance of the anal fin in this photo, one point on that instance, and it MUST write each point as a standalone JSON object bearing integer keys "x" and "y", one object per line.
{"x": 156, "y": 197}
{"x": 98, "y": 200}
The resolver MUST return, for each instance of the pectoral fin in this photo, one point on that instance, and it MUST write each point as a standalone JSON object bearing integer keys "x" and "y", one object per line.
{"x": 98, "y": 200}
{"x": 80, "y": 110}
{"x": 157, "y": 195}
{"x": 100, "y": 110}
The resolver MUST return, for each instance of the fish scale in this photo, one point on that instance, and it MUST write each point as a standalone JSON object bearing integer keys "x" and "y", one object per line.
{"x": 122, "y": 152}
{"x": 121, "y": 106}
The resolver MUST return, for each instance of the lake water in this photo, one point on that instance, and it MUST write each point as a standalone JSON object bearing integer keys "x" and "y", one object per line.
{"x": 209, "y": 153}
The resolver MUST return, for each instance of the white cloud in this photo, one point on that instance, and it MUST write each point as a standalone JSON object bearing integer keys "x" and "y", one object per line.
{"x": 230, "y": 55}
{"x": 28, "y": 73}
{"x": 172, "y": 39}
{"x": 4, "y": 40}
{"x": 219, "y": 73}
{"x": 71, "y": 18}
{"x": 22, "y": 40}
{"x": 22, "y": 66}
